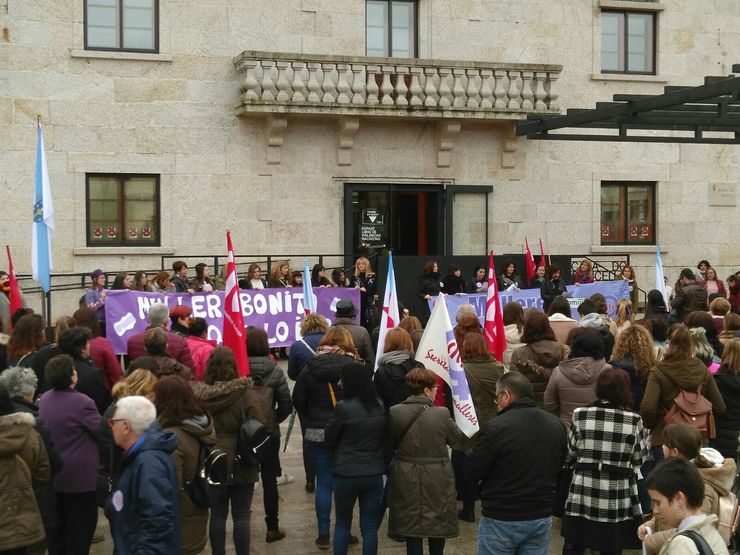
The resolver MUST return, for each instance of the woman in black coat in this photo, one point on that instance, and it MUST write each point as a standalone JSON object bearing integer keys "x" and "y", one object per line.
{"x": 428, "y": 285}
{"x": 553, "y": 286}
{"x": 453, "y": 282}
{"x": 728, "y": 383}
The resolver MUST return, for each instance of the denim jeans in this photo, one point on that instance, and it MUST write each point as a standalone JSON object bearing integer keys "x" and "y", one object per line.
{"x": 322, "y": 458}
{"x": 241, "y": 509}
{"x": 369, "y": 490}
{"x": 514, "y": 537}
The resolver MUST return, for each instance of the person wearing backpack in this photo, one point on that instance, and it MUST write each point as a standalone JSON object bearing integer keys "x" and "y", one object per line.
{"x": 179, "y": 411}
{"x": 681, "y": 441}
{"x": 264, "y": 372}
{"x": 225, "y": 394}
{"x": 678, "y": 371}
{"x": 677, "y": 490}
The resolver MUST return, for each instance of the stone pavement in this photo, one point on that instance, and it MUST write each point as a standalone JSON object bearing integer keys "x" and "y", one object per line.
{"x": 298, "y": 519}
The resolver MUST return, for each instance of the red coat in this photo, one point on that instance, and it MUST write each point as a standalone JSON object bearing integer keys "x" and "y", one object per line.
{"x": 176, "y": 346}
{"x": 200, "y": 349}
{"x": 102, "y": 355}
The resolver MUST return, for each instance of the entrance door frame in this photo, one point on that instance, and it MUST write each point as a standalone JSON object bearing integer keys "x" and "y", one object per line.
{"x": 446, "y": 215}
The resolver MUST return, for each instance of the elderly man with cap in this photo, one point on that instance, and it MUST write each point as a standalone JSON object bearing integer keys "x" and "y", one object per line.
{"x": 95, "y": 296}
{"x": 345, "y": 318}
{"x": 144, "y": 506}
{"x": 177, "y": 346}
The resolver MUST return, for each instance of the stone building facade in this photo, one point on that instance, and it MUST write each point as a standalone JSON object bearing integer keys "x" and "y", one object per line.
{"x": 269, "y": 118}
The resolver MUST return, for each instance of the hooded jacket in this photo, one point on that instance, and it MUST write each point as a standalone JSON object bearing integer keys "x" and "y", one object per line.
{"x": 513, "y": 342}
{"x": 390, "y": 378}
{"x": 144, "y": 509}
{"x": 23, "y": 460}
{"x": 597, "y": 322}
{"x": 561, "y": 326}
{"x": 264, "y": 371}
{"x": 728, "y": 422}
{"x": 200, "y": 350}
{"x": 177, "y": 346}
{"x": 573, "y": 385}
{"x": 537, "y": 361}
{"x": 665, "y": 381}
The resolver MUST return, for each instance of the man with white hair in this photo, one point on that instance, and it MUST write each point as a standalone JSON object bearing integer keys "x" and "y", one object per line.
{"x": 144, "y": 507}
{"x": 158, "y": 316}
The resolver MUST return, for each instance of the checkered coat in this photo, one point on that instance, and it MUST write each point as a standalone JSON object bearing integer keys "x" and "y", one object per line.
{"x": 604, "y": 434}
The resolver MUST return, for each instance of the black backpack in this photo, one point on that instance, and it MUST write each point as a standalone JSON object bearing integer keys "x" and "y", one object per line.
{"x": 211, "y": 472}
{"x": 253, "y": 435}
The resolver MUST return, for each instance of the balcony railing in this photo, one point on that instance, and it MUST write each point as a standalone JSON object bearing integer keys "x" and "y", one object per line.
{"x": 344, "y": 85}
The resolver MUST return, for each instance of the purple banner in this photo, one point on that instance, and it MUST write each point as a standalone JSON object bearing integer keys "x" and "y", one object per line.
{"x": 278, "y": 311}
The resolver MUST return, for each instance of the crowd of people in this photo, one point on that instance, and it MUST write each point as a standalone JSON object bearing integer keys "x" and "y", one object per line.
{"x": 577, "y": 419}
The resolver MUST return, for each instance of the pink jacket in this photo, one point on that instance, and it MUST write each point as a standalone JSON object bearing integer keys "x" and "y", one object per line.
{"x": 200, "y": 349}
{"x": 102, "y": 355}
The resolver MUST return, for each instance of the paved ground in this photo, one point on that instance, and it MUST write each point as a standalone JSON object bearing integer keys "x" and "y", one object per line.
{"x": 297, "y": 518}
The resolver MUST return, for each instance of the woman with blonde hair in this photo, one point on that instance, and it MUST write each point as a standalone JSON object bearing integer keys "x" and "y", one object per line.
{"x": 584, "y": 273}
{"x": 280, "y": 274}
{"x": 728, "y": 383}
{"x": 633, "y": 352}
{"x": 363, "y": 279}
{"x": 394, "y": 364}
{"x": 731, "y": 327}
{"x": 315, "y": 395}
{"x": 624, "y": 315}
{"x": 253, "y": 279}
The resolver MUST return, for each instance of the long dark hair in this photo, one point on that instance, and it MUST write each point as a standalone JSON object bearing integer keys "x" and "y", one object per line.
{"x": 357, "y": 381}
{"x": 221, "y": 366}
{"x": 175, "y": 401}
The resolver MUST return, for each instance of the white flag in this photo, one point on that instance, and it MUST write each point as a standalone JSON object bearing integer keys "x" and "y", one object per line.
{"x": 438, "y": 351}
{"x": 659, "y": 279}
{"x": 389, "y": 318}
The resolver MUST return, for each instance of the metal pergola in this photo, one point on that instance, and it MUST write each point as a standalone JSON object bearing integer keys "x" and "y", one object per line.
{"x": 708, "y": 114}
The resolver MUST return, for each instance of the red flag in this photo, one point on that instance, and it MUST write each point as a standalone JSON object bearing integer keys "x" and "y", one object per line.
{"x": 235, "y": 335}
{"x": 531, "y": 266}
{"x": 494, "y": 323}
{"x": 542, "y": 255}
{"x": 15, "y": 291}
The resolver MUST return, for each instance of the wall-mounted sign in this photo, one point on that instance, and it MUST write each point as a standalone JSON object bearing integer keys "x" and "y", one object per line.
{"x": 372, "y": 216}
{"x": 722, "y": 194}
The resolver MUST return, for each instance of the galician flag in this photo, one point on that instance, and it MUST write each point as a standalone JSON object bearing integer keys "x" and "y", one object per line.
{"x": 308, "y": 306}
{"x": 493, "y": 328}
{"x": 659, "y": 279}
{"x": 389, "y": 318}
{"x": 438, "y": 351}
{"x": 234, "y": 334}
{"x": 531, "y": 266}
{"x": 43, "y": 219}
{"x": 15, "y": 292}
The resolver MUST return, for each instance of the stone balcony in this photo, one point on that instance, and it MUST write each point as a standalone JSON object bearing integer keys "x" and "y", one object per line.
{"x": 349, "y": 88}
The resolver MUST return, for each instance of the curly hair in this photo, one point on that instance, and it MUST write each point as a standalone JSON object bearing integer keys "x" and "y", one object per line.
{"x": 139, "y": 382}
{"x": 468, "y": 323}
{"x": 27, "y": 336}
{"x": 636, "y": 343}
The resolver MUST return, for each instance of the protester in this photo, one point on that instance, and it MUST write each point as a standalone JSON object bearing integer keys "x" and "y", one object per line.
{"x": 625, "y": 315}
{"x": 339, "y": 277}
{"x": 180, "y": 277}
{"x": 655, "y": 307}
{"x": 264, "y": 371}
{"x": 162, "y": 283}
{"x": 590, "y": 318}
{"x": 280, "y": 274}
{"x": 122, "y": 282}
{"x": 24, "y": 461}
{"x": 227, "y": 401}
{"x": 318, "y": 276}
{"x": 731, "y": 328}
{"x": 73, "y": 421}
{"x": 200, "y": 346}
{"x": 704, "y": 320}
{"x": 315, "y": 395}
{"x": 453, "y": 283}
{"x": 728, "y": 384}
{"x": 101, "y": 351}
{"x": 467, "y": 323}
{"x": 145, "y": 503}
{"x": 428, "y": 285}
{"x": 691, "y": 297}
{"x": 552, "y": 286}
{"x": 681, "y": 441}
{"x": 179, "y": 411}
{"x": 540, "y": 354}
{"x": 509, "y": 277}
{"x": 660, "y": 337}
{"x": 180, "y": 319}
{"x": 176, "y": 345}
{"x": 141, "y": 282}
{"x": 584, "y": 273}
{"x": 296, "y": 279}
{"x": 539, "y": 277}
{"x": 345, "y": 318}
{"x": 422, "y": 497}
{"x": 75, "y": 342}
{"x": 573, "y": 381}
{"x": 628, "y": 275}
{"x": 95, "y": 296}
{"x": 718, "y": 309}
{"x": 24, "y": 344}
{"x": 363, "y": 279}
{"x": 202, "y": 283}
{"x": 733, "y": 284}
{"x": 478, "y": 283}
{"x": 513, "y": 316}
{"x": 254, "y": 279}
{"x": 516, "y": 487}
{"x": 356, "y": 433}
{"x": 395, "y": 363}
{"x": 608, "y": 443}
{"x": 678, "y": 371}
{"x": 712, "y": 284}
{"x": 601, "y": 308}
{"x": 561, "y": 322}
{"x": 156, "y": 342}
{"x": 410, "y": 324}
{"x": 634, "y": 353}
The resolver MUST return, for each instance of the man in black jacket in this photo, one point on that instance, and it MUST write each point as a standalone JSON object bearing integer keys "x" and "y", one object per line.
{"x": 689, "y": 298}
{"x": 516, "y": 460}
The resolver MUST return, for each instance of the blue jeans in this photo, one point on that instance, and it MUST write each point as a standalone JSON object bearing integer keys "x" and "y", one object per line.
{"x": 369, "y": 490}
{"x": 514, "y": 537}
{"x": 322, "y": 458}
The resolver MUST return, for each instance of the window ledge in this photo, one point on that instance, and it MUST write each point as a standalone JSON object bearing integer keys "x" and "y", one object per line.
{"x": 632, "y": 6}
{"x": 110, "y": 55}
{"x": 626, "y": 249}
{"x": 628, "y": 77}
{"x": 118, "y": 251}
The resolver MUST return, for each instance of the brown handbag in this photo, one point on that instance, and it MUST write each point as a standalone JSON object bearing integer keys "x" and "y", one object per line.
{"x": 693, "y": 409}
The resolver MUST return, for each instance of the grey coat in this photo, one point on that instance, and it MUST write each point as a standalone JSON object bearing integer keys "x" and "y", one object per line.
{"x": 360, "y": 337}
{"x": 422, "y": 494}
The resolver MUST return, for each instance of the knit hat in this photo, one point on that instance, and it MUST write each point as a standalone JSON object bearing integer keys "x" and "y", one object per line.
{"x": 97, "y": 273}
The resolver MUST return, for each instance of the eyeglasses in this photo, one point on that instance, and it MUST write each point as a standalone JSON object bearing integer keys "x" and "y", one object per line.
{"x": 113, "y": 421}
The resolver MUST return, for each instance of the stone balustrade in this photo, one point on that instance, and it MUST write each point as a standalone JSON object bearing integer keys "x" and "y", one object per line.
{"x": 357, "y": 86}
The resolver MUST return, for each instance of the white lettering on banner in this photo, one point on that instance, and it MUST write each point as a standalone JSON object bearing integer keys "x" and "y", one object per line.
{"x": 145, "y": 302}
{"x": 437, "y": 359}
{"x": 214, "y": 306}
{"x": 214, "y": 334}
{"x": 276, "y": 304}
{"x": 196, "y": 303}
